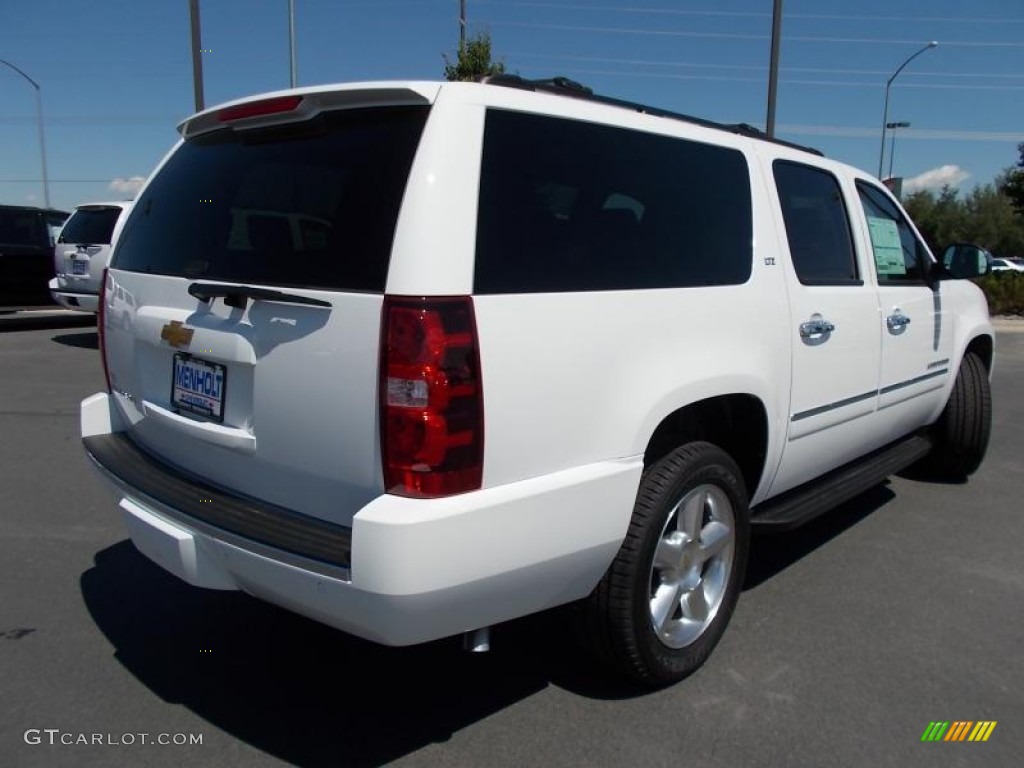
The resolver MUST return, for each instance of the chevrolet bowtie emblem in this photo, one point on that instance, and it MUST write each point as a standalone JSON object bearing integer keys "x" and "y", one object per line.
{"x": 177, "y": 335}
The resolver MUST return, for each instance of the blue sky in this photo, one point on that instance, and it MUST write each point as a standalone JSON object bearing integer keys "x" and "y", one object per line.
{"x": 116, "y": 74}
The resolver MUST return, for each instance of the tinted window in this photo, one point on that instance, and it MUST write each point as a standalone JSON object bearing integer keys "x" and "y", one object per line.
{"x": 573, "y": 206}
{"x": 899, "y": 256}
{"x": 309, "y": 204}
{"x": 91, "y": 226}
{"x": 21, "y": 228}
{"x": 817, "y": 227}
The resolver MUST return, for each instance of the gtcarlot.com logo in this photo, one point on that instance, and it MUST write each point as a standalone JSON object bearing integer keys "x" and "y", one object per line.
{"x": 55, "y": 736}
{"x": 958, "y": 730}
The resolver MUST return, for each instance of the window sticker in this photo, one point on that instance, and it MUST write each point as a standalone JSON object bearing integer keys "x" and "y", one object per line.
{"x": 885, "y": 242}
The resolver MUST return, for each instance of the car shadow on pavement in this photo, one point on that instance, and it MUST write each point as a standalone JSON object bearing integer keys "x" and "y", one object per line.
{"x": 312, "y": 695}
{"x": 772, "y": 552}
{"x": 12, "y": 321}
{"x": 85, "y": 340}
{"x": 304, "y": 692}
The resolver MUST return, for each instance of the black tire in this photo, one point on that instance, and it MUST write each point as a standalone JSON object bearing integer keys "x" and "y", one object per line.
{"x": 962, "y": 431}
{"x": 619, "y": 616}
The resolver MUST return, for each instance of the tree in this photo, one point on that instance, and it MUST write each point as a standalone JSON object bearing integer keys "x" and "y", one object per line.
{"x": 993, "y": 221}
{"x": 1012, "y": 184}
{"x": 985, "y": 216}
{"x": 940, "y": 217}
{"x": 473, "y": 60}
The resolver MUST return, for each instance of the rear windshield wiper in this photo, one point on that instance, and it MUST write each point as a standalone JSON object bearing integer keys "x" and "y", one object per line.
{"x": 238, "y": 295}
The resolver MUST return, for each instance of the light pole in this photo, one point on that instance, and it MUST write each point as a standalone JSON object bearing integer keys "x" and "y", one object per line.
{"x": 39, "y": 120}
{"x": 892, "y": 142}
{"x": 197, "y": 53}
{"x": 294, "y": 79}
{"x": 885, "y": 112}
{"x": 773, "y": 67}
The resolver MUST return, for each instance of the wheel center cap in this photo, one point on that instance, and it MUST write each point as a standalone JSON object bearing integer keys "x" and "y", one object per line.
{"x": 689, "y": 555}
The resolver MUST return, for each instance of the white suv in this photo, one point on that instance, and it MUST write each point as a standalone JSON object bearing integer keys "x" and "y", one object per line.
{"x": 82, "y": 252}
{"x": 416, "y": 358}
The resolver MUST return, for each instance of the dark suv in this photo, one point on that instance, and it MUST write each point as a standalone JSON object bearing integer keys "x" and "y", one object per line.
{"x": 27, "y": 236}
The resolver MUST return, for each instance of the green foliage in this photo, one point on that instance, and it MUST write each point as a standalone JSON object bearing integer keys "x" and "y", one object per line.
{"x": 473, "y": 60}
{"x": 985, "y": 217}
{"x": 1004, "y": 291}
{"x": 1012, "y": 183}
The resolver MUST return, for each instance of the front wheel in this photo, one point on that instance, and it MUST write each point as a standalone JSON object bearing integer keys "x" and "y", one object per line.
{"x": 667, "y": 597}
{"x": 962, "y": 431}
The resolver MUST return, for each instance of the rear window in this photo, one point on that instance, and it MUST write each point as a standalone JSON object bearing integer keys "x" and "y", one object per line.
{"x": 573, "y": 206}
{"x": 90, "y": 226}
{"x": 21, "y": 228}
{"x": 309, "y": 204}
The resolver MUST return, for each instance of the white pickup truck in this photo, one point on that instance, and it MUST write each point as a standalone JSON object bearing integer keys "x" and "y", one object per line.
{"x": 417, "y": 358}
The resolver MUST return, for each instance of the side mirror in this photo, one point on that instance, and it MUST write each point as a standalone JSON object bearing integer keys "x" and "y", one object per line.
{"x": 966, "y": 260}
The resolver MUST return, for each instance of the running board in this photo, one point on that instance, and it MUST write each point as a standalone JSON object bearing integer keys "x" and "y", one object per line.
{"x": 796, "y": 507}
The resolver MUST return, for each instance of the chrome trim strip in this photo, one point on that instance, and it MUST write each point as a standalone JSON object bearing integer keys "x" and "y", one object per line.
{"x": 911, "y": 382}
{"x": 832, "y": 406}
{"x": 858, "y": 398}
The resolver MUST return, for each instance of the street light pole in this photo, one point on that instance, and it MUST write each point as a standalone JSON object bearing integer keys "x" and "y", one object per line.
{"x": 39, "y": 123}
{"x": 892, "y": 142}
{"x": 885, "y": 112}
{"x": 291, "y": 41}
{"x": 462, "y": 24}
{"x": 197, "y": 54}
{"x": 773, "y": 67}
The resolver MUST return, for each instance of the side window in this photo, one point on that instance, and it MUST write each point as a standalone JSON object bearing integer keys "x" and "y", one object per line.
{"x": 817, "y": 226}
{"x": 898, "y": 255}
{"x": 567, "y": 205}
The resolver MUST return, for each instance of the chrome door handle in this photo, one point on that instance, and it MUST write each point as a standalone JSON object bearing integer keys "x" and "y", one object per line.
{"x": 816, "y": 326}
{"x": 897, "y": 321}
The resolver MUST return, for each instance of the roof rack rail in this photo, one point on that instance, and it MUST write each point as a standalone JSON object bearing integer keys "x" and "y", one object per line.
{"x": 563, "y": 86}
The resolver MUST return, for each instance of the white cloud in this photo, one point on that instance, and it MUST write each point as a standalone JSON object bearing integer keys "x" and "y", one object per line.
{"x": 30, "y": 198}
{"x": 129, "y": 186}
{"x": 936, "y": 179}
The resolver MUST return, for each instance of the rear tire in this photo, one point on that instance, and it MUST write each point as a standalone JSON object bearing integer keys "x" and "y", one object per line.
{"x": 962, "y": 431}
{"x": 667, "y": 597}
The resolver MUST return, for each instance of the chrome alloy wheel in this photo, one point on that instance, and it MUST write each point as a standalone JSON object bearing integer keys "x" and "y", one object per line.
{"x": 691, "y": 566}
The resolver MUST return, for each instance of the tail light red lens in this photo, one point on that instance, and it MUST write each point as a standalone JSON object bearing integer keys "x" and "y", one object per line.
{"x": 101, "y": 319}
{"x": 259, "y": 108}
{"x": 431, "y": 397}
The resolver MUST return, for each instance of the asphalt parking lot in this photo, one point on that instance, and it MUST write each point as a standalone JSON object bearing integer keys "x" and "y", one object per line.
{"x": 903, "y": 607}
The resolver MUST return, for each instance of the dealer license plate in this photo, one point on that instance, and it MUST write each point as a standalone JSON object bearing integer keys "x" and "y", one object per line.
{"x": 198, "y": 387}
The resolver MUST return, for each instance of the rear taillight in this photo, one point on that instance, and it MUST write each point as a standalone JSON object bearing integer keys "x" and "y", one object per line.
{"x": 101, "y": 319}
{"x": 431, "y": 399}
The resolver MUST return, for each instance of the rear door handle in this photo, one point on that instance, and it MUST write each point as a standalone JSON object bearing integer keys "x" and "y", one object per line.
{"x": 816, "y": 326}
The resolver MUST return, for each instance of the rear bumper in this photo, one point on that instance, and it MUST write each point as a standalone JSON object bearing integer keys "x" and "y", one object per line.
{"x": 408, "y": 571}
{"x": 83, "y": 302}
